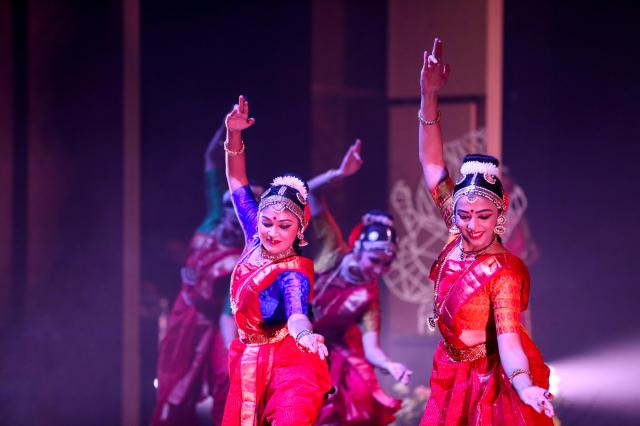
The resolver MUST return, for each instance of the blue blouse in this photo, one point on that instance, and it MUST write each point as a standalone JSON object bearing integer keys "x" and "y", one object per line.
{"x": 289, "y": 292}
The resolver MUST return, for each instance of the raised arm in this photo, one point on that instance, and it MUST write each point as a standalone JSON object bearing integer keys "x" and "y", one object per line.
{"x": 213, "y": 193}
{"x": 332, "y": 244}
{"x": 433, "y": 77}
{"x": 237, "y": 121}
{"x": 350, "y": 164}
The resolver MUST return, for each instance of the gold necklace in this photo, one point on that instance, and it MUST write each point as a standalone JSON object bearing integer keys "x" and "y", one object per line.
{"x": 266, "y": 256}
{"x": 437, "y": 310}
{"x": 474, "y": 253}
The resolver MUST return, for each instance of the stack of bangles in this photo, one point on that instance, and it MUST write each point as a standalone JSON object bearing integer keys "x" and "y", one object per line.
{"x": 300, "y": 336}
{"x": 232, "y": 152}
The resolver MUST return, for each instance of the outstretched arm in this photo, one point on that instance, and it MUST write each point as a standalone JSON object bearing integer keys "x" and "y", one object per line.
{"x": 350, "y": 164}
{"x": 376, "y": 356}
{"x": 332, "y": 244}
{"x": 237, "y": 121}
{"x": 433, "y": 77}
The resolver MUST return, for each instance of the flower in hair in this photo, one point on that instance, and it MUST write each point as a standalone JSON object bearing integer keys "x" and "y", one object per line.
{"x": 479, "y": 167}
{"x": 293, "y": 182}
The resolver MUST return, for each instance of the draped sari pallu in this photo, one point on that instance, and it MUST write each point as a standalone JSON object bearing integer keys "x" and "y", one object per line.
{"x": 468, "y": 384}
{"x": 272, "y": 380}
{"x": 359, "y": 400}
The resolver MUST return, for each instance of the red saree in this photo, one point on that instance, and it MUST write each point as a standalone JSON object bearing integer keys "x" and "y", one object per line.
{"x": 272, "y": 381}
{"x": 339, "y": 308}
{"x": 468, "y": 388}
{"x": 192, "y": 356}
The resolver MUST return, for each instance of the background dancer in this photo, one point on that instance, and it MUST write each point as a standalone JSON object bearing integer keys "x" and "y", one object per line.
{"x": 346, "y": 306}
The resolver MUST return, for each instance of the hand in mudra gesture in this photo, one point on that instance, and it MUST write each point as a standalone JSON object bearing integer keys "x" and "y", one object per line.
{"x": 352, "y": 161}
{"x": 399, "y": 372}
{"x": 238, "y": 119}
{"x": 537, "y": 398}
{"x": 314, "y": 343}
{"x": 435, "y": 72}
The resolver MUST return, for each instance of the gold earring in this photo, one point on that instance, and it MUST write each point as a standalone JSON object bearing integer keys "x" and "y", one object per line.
{"x": 454, "y": 228}
{"x": 500, "y": 229}
{"x": 302, "y": 242}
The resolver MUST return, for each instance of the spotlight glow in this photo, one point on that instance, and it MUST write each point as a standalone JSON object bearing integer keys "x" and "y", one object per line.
{"x": 554, "y": 381}
{"x": 606, "y": 379}
{"x": 155, "y": 383}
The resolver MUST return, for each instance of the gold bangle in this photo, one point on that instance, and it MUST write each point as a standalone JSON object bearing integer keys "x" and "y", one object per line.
{"x": 299, "y": 336}
{"x": 232, "y": 152}
{"x": 518, "y": 372}
{"x": 428, "y": 122}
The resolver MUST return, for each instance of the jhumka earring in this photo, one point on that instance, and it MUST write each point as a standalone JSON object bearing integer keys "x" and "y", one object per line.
{"x": 500, "y": 229}
{"x": 454, "y": 228}
{"x": 302, "y": 242}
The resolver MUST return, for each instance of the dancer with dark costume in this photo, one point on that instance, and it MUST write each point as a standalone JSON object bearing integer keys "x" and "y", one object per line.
{"x": 279, "y": 374}
{"x": 486, "y": 369}
{"x": 346, "y": 306}
{"x": 192, "y": 361}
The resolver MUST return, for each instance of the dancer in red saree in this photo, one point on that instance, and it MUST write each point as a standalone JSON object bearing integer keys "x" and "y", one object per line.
{"x": 192, "y": 361}
{"x": 486, "y": 369}
{"x": 279, "y": 374}
{"x": 346, "y": 307}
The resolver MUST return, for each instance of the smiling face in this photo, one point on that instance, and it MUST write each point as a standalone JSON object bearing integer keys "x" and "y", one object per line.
{"x": 476, "y": 220}
{"x": 277, "y": 229}
{"x": 373, "y": 263}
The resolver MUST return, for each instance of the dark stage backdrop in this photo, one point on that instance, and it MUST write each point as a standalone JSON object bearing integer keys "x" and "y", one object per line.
{"x": 571, "y": 100}
{"x": 61, "y": 318}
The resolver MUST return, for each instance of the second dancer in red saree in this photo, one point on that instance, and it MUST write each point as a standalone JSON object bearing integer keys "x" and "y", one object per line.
{"x": 486, "y": 369}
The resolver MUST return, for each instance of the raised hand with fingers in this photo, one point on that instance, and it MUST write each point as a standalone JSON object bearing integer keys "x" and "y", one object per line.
{"x": 352, "y": 161}
{"x": 435, "y": 72}
{"x": 238, "y": 119}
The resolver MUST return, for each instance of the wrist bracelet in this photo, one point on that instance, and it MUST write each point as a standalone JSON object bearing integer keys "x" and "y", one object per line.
{"x": 428, "y": 122}
{"x": 300, "y": 336}
{"x": 518, "y": 372}
{"x": 232, "y": 152}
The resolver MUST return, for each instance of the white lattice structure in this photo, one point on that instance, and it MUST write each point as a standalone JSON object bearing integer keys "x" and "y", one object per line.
{"x": 423, "y": 233}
